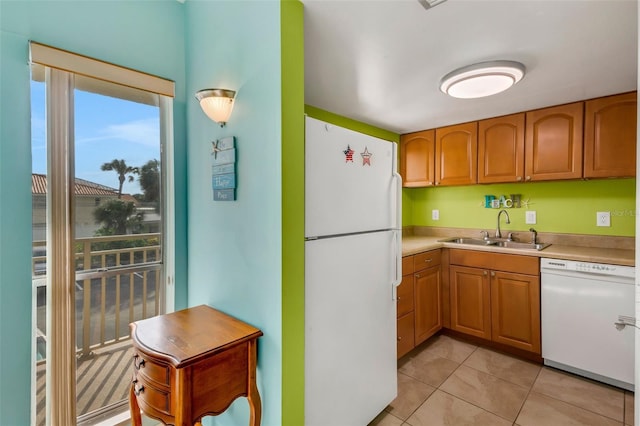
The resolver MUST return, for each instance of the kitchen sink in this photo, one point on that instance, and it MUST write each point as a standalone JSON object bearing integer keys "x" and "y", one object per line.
{"x": 520, "y": 245}
{"x": 466, "y": 240}
{"x": 496, "y": 243}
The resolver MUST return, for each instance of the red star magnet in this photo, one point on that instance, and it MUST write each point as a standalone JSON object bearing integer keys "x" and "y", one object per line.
{"x": 348, "y": 154}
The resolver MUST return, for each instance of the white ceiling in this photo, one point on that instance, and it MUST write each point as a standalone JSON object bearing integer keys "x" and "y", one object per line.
{"x": 381, "y": 61}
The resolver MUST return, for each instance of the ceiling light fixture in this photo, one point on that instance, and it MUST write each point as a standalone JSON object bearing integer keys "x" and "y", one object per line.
{"x": 482, "y": 79}
{"x": 217, "y": 104}
{"x": 428, "y": 4}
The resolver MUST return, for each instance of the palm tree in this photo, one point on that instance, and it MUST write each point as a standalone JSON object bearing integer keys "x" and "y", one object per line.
{"x": 150, "y": 180}
{"x": 120, "y": 166}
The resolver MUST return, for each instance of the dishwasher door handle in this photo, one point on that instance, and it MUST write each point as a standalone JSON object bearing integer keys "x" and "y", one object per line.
{"x": 624, "y": 321}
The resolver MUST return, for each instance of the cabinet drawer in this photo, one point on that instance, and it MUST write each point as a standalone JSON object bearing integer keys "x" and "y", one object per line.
{"x": 151, "y": 371}
{"x": 529, "y": 265}
{"x": 405, "y": 295}
{"x": 150, "y": 398}
{"x": 407, "y": 265}
{"x": 405, "y": 334}
{"x": 426, "y": 260}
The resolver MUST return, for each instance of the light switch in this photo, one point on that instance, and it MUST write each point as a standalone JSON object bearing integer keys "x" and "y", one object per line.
{"x": 530, "y": 217}
{"x": 603, "y": 218}
{"x": 435, "y": 214}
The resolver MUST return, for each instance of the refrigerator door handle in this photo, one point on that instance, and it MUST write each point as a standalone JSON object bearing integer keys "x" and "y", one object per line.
{"x": 397, "y": 225}
{"x": 397, "y": 253}
{"x": 397, "y": 197}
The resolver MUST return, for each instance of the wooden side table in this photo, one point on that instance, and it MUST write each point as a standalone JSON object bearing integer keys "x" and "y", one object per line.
{"x": 193, "y": 363}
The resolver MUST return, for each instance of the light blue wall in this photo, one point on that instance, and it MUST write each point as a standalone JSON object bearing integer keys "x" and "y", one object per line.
{"x": 235, "y": 247}
{"x": 143, "y": 35}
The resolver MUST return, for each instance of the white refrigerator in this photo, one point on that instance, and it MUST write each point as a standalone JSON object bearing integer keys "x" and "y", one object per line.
{"x": 353, "y": 261}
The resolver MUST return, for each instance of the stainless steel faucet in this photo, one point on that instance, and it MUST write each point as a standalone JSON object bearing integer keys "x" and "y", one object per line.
{"x": 534, "y": 236}
{"x": 498, "y": 233}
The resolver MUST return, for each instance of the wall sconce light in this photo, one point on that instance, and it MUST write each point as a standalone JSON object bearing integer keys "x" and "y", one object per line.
{"x": 217, "y": 104}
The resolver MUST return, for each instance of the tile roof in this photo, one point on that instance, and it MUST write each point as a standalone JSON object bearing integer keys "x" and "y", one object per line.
{"x": 82, "y": 187}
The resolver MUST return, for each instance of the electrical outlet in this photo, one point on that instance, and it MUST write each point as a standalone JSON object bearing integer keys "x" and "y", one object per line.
{"x": 603, "y": 218}
{"x": 530, "y": 217}
{"x": 435, "y": 214}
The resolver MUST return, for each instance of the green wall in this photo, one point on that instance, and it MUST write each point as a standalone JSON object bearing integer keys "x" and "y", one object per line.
{"x": 563, "y": 206}
{"x": 292, "y": 63}
{"x": 348, "y": 123}
{"x": 147, "y": 36}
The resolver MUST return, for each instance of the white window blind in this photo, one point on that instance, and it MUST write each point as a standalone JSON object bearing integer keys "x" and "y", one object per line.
{"x": 67, "y": 61}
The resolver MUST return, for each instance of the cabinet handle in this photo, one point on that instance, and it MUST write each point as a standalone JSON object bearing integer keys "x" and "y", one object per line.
{"x": 137, "y": 365}
{"x": 399, "y": 338}
{"x": 418, "y": 276}
{"x": 428, "y": 260}
{"x": 137, "y": 390}
{"x": 528, "y": 177}
{"x": 484, "y": 272}
{"x": 493, "y": 274}
{"x": 519, "y": 178}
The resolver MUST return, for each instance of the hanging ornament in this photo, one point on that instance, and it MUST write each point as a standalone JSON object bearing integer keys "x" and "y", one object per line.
{"x": 366, "y": 156}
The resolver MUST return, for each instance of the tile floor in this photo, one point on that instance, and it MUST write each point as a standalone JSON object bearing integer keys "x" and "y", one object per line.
{"x": 451, "y": 382}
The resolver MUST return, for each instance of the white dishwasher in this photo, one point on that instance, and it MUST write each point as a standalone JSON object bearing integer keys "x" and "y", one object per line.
{"x": 587, "y": 319}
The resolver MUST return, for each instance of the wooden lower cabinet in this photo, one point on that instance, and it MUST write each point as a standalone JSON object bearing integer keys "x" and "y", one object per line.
{"x": 405, "y": 334}
{"x": 427, "y": 298}
{"x": 419, "y": 298}
{"x": 470, "y": 301}
{"x": 515, "y": 310}
{"x": 491, "y": 299}
{"x": 405, "y": 307}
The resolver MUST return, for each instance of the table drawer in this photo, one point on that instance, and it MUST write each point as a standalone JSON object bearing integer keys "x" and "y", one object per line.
{"x": 151, "y": 398}
{"x": 151, "y": 370}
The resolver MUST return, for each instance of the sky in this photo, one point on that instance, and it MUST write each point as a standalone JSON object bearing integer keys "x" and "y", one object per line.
{"x": 106, "y": 128}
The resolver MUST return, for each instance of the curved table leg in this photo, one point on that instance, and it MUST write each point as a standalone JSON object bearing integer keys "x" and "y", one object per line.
{"x": 255, "y": 404}
{"x": 136, "y": 418}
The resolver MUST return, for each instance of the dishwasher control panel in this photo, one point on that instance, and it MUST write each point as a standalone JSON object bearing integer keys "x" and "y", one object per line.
{"x": 587, "y": 267}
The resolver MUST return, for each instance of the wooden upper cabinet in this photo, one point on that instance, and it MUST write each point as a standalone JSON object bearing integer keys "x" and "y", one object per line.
{"x": 553, "y": 143}
{"x": 417, "y": 151}
{"x": 610, "y": 136}
{"x": 501, "y": 149}
{"x": 457, "y": 154}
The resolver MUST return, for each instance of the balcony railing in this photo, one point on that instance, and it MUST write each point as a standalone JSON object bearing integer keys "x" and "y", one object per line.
{"x": 118, "y": 281}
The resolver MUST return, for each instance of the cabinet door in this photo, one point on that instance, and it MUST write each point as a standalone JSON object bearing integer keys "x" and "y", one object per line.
{"x": 501, "y": 149}
{"x": 405, "y": 295}
{"x": 610, "y": 136}
{"x": 417, "y": 154}
{"x": 470, "y": 301}
{"x": 427, "y": 297}
{"x": 457, "y": 154}
{"x": 405, "y": 334}
{"x": 553, "y": 143}
{"x": 515, "y": 309}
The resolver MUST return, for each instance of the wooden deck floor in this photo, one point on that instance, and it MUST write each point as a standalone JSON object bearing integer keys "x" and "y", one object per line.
{"x": 102, "y": 379}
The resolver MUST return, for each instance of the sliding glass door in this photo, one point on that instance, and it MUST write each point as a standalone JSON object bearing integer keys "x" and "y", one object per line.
{"x": 99, "y": 220}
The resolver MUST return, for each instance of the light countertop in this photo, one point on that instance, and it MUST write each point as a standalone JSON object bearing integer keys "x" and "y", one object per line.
{"x": 417, "y": 244}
